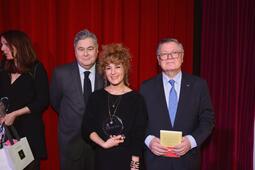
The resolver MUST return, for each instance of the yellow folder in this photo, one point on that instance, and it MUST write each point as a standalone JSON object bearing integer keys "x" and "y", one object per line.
{"x": 170, "y": 138}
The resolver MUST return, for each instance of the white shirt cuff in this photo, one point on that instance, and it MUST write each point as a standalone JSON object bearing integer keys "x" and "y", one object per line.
{"x": 148, "y": 139}
{"x": 192, "y": 141}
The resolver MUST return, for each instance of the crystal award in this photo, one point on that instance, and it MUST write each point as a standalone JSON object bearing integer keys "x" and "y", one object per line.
{"x": 113, "y": 125}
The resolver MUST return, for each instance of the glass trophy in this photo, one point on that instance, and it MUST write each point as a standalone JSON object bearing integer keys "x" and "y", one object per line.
{"x": 113, "y": 126}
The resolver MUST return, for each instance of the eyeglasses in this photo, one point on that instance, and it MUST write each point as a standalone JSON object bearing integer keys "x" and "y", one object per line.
{"x": 165, "y": 56}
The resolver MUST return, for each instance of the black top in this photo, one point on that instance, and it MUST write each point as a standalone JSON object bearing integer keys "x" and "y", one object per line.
{"x": 31, "y": 90}
{"x": 131, "y": 111}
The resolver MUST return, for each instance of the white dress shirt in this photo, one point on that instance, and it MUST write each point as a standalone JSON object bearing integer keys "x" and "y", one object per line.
{"x": 92, "y": 75}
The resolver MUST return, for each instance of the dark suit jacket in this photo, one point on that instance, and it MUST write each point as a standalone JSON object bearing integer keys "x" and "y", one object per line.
{"x": 194, "y": 117}
{"x": 66, "y": 97}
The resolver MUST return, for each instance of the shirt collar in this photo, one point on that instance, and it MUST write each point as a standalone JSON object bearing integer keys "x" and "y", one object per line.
{"x": 177, "y": 78}
{"x": 82, "y": 70}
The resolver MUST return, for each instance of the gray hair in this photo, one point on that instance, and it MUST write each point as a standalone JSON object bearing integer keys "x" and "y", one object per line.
{"x": 83, "y": 34}
{"x": 168, "y": 40}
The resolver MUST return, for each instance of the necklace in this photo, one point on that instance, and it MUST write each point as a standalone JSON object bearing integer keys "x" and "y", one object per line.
{"x": 113, "y": 125}
{"x": 116, "y": 101}
{"x": 115, "y": 106}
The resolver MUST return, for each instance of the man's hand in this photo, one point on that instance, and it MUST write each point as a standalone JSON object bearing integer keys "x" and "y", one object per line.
{"x": 182, "y": 148}
{"x": 156, "y": 148}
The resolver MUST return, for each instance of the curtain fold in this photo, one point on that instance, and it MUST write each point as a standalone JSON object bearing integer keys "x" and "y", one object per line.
{"x": 227, "y": 62}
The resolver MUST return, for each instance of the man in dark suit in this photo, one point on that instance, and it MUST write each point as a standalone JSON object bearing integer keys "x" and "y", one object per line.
{"x": 180, "y": 102}
{"x": 69, "y": 90}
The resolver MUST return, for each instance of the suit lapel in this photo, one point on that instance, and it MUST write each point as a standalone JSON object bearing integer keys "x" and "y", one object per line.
{"x": 77, "y": 81}
{"x": 184, "y": 97}
{"x": 162, "y": 108}
{"x": 99, "y": 81}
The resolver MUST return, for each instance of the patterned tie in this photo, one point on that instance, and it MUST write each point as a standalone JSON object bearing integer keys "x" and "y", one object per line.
{"x": 172, "y": 105}
{"x": 86, "y": 86}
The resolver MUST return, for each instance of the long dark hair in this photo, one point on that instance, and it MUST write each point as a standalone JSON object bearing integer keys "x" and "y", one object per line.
{"x": 24, "y": 54}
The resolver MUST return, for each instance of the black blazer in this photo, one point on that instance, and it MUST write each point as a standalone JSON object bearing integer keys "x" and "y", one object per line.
{"x": 194, "y": 117}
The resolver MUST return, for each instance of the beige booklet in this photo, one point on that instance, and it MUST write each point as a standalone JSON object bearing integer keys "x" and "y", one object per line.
{"x": 169, "y": 139}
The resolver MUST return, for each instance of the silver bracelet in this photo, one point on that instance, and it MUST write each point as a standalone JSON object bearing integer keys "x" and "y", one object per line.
{"x": 134, "y": 164}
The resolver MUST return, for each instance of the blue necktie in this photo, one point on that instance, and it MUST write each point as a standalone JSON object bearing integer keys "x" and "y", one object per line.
{"x": 172, "y": 105}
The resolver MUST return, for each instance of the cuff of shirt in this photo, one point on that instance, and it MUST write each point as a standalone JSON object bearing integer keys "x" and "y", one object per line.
{"x": 192, "y": 141}
{"x": 148, "y": 139}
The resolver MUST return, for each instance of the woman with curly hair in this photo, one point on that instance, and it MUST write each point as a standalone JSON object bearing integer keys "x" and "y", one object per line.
{"x": 116, "y": 116}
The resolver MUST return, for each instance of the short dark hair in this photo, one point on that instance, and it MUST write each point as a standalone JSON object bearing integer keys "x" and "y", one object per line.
{"x": 24, "y": 56}
{"x": 83, "y": 34}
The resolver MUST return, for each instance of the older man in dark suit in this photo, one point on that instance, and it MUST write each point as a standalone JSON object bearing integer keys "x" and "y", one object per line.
{"x": 180, "y": 102}
{"x": 70, "y": 87}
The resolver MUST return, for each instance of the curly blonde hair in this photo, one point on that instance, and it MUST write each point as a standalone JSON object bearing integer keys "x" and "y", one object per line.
{"x": 116, "y": 54}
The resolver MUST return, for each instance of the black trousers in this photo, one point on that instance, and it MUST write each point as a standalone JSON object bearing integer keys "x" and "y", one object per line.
{"x": 85, "y": 162}
{"x": 35, "y": 165}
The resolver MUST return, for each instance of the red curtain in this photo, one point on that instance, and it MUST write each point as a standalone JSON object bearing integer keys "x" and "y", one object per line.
{"x": 139, "y": 24}
{"x": 228, "y": 63}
